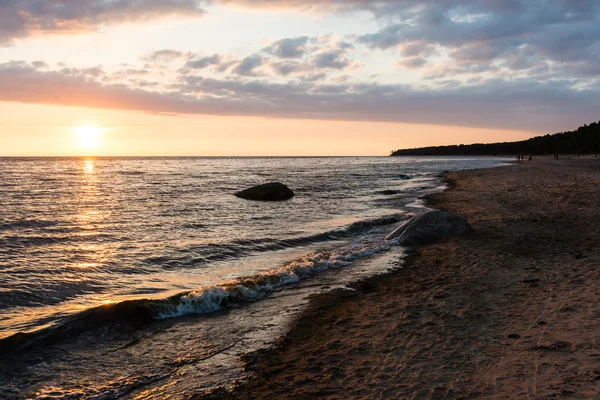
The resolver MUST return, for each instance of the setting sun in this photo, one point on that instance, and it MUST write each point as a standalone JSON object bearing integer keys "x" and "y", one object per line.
{"x": 88, "y": 136}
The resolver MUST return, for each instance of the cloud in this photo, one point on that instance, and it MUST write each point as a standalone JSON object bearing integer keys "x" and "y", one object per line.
{"x": 520, "y": 104}
{"x": 248, "y": 66}
{"x": 287, "y": 68}
{"x": 315, "y": 54}
{"x": 165, "y": 55}
{"x": 519, "y": 64}
{"x": 562, "y": 36}
{"x": 412, "y": 62}
{"x": 561, "y": 32}
{"x": 314, "y": 77}
{"x": 22, "y": 18}
{"x": 40, "y": 64}
{"x": 332, "y": 59}
{"x": 303, "y": 5}
{"x": 289, "y": 47}
{"x": 218, "y": 62}
{"x": 204, "y": 62}
{"x": 289, "y": 56}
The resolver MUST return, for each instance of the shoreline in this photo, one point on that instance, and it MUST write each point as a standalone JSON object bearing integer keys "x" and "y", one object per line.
{"x": 507, "y": 312}
{"x": 192, "y": 354}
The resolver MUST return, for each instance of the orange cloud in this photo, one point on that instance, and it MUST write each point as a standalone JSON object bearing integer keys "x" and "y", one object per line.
{"x": 25, "y": 18}
{"x": 521, "y": 105}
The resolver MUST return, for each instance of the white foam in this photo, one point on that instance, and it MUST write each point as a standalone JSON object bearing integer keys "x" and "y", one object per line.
{"x": 212, "y": 298}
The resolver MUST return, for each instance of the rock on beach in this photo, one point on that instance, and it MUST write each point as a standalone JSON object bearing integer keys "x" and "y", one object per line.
{"x": 430, "y": 228}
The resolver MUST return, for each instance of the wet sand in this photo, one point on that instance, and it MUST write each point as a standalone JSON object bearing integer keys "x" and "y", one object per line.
{"x": 511, "y": 311}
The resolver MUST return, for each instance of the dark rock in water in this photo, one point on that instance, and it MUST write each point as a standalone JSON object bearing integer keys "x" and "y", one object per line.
{"x": 389, "y": 192}
{"x": 405, "y": 177}
{"x": 429, "y": 228}
{"x": 273, "y": 191}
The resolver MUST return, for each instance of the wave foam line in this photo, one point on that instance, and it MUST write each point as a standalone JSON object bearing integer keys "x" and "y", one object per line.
{"x": 204, "y": 300}
{"x": 212, "y": 298}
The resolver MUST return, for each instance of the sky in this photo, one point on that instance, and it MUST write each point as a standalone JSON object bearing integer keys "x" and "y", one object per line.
{"x": 291, "y": 77}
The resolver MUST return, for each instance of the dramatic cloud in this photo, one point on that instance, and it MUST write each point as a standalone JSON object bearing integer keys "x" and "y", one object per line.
{"x": 558, "y": 36}
{"x": 563, "y": 33}
{"x": 522, "y": 64}
{"x": 310, "y": 56}
{"x": 21, "y": 18}
{"x": 314, "y": 55}
{"x": 551, "y": 37}
{"x": 493, "y": 104}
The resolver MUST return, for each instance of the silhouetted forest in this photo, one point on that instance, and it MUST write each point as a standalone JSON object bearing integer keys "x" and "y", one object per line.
{"x": 585, "y": 140}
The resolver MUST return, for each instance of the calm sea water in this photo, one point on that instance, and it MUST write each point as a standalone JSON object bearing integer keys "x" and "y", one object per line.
{"x": 168, "y": 234}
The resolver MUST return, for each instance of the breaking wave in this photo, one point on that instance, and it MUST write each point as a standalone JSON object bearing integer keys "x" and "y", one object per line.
{"x": 209, "y": 299}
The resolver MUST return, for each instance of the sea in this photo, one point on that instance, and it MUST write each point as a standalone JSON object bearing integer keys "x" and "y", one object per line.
{"x": 147, "y": 278}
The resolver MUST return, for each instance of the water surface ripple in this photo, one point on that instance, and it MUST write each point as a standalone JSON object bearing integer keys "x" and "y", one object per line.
{"x": 106, "y": 264}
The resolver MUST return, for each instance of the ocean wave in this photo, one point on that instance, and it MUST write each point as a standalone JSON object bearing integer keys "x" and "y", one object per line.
{"x": 27, "y": 224}
{"x": 132, "y": 313}
{"x": 212, "y": 298}
{"x": 204, "y": 300}
{"x": 46, "y": 292}
{"x": 131, "y": 173}
{"x": 24, "y": 241}
{"x": 30, "y": 241}
{"x": 217, "y": 252}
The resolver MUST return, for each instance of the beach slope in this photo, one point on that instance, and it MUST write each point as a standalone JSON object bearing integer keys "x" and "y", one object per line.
{"x": 511, "y": 311}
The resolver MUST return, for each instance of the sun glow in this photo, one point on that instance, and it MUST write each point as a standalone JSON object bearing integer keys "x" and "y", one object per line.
{"x": 88, "y": 136}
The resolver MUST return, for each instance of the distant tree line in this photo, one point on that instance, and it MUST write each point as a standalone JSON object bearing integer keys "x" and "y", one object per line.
{"x": 585, "y": 140}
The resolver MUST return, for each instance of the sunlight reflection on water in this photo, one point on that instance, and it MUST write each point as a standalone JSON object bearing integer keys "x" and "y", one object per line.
{"x": 131, "y": 228}
{"x": 88, "y": 166}
{"x": 82, "y": 233}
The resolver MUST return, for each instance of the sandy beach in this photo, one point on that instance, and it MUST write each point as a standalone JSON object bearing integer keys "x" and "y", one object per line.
{"x": 511, "y": 311}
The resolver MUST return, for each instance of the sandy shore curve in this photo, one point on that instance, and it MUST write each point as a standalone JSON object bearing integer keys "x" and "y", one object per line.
{"x": 511, "y": 311}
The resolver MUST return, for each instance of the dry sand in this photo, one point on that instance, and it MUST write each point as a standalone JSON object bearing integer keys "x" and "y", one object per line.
{"x": 512, "y": 311}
